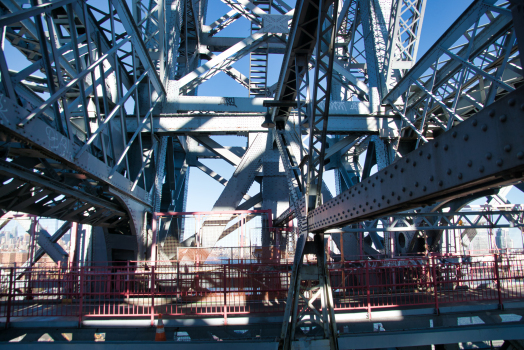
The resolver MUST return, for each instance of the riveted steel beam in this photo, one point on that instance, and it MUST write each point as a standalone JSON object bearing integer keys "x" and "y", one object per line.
{"x": 485, "y": 151}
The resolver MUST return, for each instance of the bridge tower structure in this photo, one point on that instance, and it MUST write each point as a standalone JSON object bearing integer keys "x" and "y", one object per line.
{"x": 101, "y": 122}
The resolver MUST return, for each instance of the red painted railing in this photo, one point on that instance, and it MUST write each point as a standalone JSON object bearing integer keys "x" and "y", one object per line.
{"x": 189, "y": 290}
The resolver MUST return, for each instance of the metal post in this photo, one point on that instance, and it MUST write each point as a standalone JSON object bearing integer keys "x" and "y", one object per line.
{"x": 435, "y": 284}
{"x": 177, "y": 284}
{"x": 80, "y": 296}
{"x": 368, "y": 290}
{"x": 9, "y": 296}
{"x": 497, "y": 277}
{"x": 152, "y": 295}
{"x": 225, "y": 295}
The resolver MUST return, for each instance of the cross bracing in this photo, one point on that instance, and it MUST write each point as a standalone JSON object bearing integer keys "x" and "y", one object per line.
{"x": 102, "y": 119}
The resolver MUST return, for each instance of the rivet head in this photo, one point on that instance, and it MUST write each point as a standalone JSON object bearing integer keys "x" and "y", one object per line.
{"x": 401, "y": 170}
{"x": 507, "y": 148}
{"x": 520, "y": 155}
{"x": 420, "y": 153}
{"x": 522, "y": 107}
{"x": 449, "y": 172}
{"x": 410, "y": 193}
{"x": 403, "y": 189}
{"x": 454, "y": 134}
{"x": 466, "y": 137}
{"x": 459, "y": 176}
{"x": 392, "y": 194}
{"x": 445, "y": 147}
{"x": 512, "y": 102}
{"x": 503, "y": 118}
{"x": 429, "y": 156}
{"x": 492, "y": 113}
{"x": 407, "y": 160}
{"x": 475, "y": 122}
{"x": 424, "y": 188}
{"x": 484, "y": 127}
{"x": 470, "y": 163}
{"x": 499, "y": 162}
{"x": 436, "y": 144}
{"x": 481, "y": 169}
{"x": 488, "y": 155}
{"x": 440, "y": 183}
{"x": 431, "y": 178}
{"x": 416, "y": 183}
{"x": 414, "y": 163}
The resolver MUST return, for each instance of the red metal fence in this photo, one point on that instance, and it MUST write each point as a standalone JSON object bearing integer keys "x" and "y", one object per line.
{"x": 233, "y": 289}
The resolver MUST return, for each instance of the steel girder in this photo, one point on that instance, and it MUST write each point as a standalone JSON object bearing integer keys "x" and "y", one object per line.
{"x": 430, "y": 174}
{"x": 69, "y": 145}
{"x": 473, "y": 64}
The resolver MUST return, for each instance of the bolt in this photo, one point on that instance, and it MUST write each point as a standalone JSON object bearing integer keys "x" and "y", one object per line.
{"x": 507, "y": 148}
{"x": 424, "y": 188}
{"x": 429, "y": 156}
{"x": 449, "y": 171}
{"x": 484, "y": 127}
{"x": 401, "y": 170}
{"x": 414, "y": 163}
{"x": 466, "y": 137}
{"x": 512, "y": 102}
{"x": 492, "y": 113}
{"x": 470, "y": 163}
{"x": 459, "y": 176}
{"x": 431, "y": 178}
{"x": 454, "y": 134}
{"x": 475, "y": 122}
{"x": 520, "y": 155}
{"x": 522, "y": 107}
{"x": 416, "y": 184}
{"x": 419, "y": 153}
{"x": 407, "y": 160}
{"x": 440, "y": 183}
{"x": 445, "y": 147}
{"x": 503, "y": 118}
{"x": 391, "y": 176}
{"x": 403, "y": 189}
{"x": 488, "y": 155}
{"x": 410, "y": 193}
{"x": 481, "y": 169}
{"x": 436, "y": 144}
{"x": 499, "y": 162}
{"x": 392, "y": 194}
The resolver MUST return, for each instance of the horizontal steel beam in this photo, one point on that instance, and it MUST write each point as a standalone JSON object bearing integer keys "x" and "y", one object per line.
{"x": 217, "y": 125}
{"x": 485, "y": 151}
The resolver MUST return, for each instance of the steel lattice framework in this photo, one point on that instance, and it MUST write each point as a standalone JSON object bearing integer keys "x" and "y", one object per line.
{"x": 100, "y": 121}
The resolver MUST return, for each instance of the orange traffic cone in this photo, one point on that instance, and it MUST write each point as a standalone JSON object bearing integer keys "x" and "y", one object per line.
{"x": 160, "y": 332}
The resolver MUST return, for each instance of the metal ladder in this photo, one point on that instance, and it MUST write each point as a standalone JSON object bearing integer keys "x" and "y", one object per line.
{"x": 258, "y": 59}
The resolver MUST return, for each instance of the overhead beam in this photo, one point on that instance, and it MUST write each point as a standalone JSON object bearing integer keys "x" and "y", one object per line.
{"x": 221, "y": 124}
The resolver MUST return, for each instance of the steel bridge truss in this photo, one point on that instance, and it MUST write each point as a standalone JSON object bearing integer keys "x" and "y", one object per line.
{"x": 100, "y": 118}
